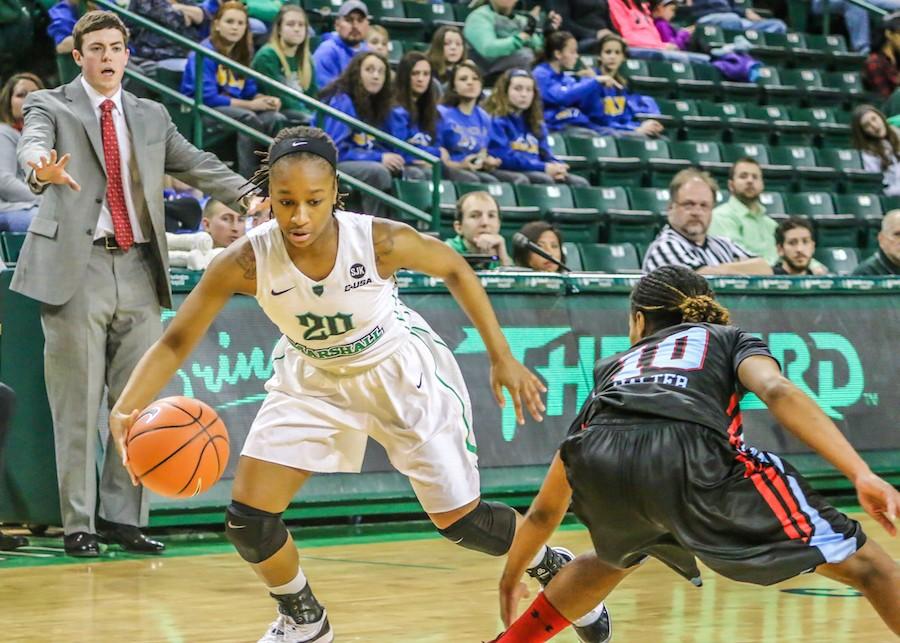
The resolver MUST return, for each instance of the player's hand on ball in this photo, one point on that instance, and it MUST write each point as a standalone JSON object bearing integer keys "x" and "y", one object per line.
{"x": 879, "y": 499}
{"x": 522, "y": 384}
{"x": 510, "y": 595}
{"x": 119, "y": 426}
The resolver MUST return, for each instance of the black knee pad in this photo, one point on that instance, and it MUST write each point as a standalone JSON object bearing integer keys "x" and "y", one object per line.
{"x": 489, "y": 528}
{"x": 256, "y": 534}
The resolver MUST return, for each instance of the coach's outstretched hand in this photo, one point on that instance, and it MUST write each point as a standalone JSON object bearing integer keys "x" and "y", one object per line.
{"x": 53, "y": 170}
{"x": 522, "y": 384}
{"x": 879, "y": 499}
{"x": 119, "y": 426}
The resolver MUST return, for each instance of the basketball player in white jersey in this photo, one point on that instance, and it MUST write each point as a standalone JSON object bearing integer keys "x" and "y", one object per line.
{"x": 354, "y": 362}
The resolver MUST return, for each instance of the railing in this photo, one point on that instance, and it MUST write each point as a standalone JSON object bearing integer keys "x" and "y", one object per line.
{"x": 199, "y": 110}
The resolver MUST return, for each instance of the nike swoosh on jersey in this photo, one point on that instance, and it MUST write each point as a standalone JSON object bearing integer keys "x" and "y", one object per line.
{"x": 281, "y": 292}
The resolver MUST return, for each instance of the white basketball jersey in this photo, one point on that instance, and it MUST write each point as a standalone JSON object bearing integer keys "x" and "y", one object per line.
{"x": 351, "y": 318}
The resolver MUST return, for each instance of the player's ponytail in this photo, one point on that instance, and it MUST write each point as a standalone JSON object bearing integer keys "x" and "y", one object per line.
{"x": 675, "y": 295}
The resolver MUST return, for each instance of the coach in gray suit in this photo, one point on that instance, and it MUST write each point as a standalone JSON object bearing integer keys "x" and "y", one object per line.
{"x": 96, "y": 257}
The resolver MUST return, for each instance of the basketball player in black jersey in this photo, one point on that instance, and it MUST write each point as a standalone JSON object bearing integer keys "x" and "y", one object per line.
{"x": 655, "y": 465}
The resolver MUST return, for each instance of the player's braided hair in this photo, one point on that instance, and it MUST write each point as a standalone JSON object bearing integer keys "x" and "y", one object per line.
{"x": 675, "y": 295}
{"x": 260, "y": 178}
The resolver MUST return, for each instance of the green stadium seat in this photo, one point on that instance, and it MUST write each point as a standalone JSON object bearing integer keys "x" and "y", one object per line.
{"x": 11, "y": 245}
{"x": 613, "y": 258}
{"x": 655, "y": 156}
{"x": 825, "y": 125}
{"x": 704, "y": 154}
{"x": 709, "y": 36}
{"x": 724, "y": 113}
{"x": 772, "y": 51}
{"x": 837, "y": 54}
{"x": 681, "y": 79}
{"x": 775, "y": 91}
{"x": 798, "y": 49}
{"x": 839, "y": 261}
{"x": 434, "y": 15}
{"x": 578, "y": 164}
{"x": 809, "y": 176}
{"x": 641, "y": 81}
{"x": 391, "y": 15}
{"x": 418, "y": 194}
{"x": 602, "y": 154}
{"x": 572, "y": 256}
{"x": 812, "y": 86}
{"x": 774, "y": 203}
{"x": 868, "y": 210}
{"x": 850, "y": 165}
{"x": 832, "y": 229}
{"x": 773, "y": 122}
{"x": 847, "y": 84}
{"x": 558, "y": 206}
{"x": 640, "y": 224}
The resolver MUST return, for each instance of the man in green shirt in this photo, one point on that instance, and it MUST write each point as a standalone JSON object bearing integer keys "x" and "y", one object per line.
{"x": 477, "y": 226}
{"x": 887, "y": 260}
{"x": 743, "y": 217}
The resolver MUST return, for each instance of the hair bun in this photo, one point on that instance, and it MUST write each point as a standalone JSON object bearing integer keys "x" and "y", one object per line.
{"x": 703, "y": 308}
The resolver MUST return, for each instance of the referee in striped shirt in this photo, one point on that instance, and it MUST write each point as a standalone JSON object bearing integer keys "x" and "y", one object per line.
{"x": 684, "y": 242}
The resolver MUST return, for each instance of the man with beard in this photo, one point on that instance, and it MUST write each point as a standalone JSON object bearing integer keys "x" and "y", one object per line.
{"x": 795, "y": 245}
{"x": 685, "y": 240}
{"x": 351, "y": 28}
{"x": 887, "y": 260}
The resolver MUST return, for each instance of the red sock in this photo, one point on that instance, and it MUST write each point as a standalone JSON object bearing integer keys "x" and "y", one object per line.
{"x": 540, "y": 622}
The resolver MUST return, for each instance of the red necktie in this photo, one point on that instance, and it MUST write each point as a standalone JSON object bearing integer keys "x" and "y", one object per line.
{"x": 115, "y": 194}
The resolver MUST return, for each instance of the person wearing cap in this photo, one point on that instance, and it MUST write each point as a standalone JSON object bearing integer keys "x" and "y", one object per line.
{"x": 881, "y": 74}
{"x": 351, "y": 28}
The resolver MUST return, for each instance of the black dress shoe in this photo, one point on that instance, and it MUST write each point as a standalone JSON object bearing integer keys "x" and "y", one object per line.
{"x": 12, "y": 542}
{"x": 81, "y": 544}
{"x": 128, "y": 537}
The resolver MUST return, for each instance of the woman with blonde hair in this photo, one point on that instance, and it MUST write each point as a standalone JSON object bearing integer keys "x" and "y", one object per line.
{"x": 287, "y": 59}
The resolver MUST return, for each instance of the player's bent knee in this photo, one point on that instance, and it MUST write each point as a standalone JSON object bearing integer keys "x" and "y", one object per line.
{"x": 257, "y": 535}
{"x": 488, "y": 528}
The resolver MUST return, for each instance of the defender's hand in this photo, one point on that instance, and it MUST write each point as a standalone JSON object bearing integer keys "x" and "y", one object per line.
{"x": 521, "y": 384}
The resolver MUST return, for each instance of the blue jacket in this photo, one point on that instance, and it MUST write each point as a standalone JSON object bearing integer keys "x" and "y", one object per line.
{"x": 463, "y": 135}
{"x": 63, "y": 17}
{"x": 566, "y": 98}
{"x": 701, "y": 8}
{"x": 401, "y": 127}
{"x": 220, "y": 84}
{"x": 617, "y": 108}
{"x": 332, "y": 56}
{"x": 351, "y": 145}
{"x": 517, "y": 148}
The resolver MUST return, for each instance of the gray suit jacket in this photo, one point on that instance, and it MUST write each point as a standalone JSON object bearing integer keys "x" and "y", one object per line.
{"x": 55, "y": 255}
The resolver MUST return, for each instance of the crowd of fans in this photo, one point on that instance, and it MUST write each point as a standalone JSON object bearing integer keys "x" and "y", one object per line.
{"x": 483, "y": 99}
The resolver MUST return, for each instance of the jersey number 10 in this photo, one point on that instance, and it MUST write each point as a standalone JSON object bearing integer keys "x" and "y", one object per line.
{"x": 684, "y": 351}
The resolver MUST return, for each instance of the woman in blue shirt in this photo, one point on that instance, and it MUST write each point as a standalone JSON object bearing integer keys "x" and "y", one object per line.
{"x": 518, "y": 132}
{"x": 414, "y": 117}
{"x": 230, "y": 93}
{"x": 363, "y": 91}
{"x": 465, "y": 130}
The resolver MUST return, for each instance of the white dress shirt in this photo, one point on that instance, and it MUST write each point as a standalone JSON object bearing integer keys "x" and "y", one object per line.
{"x": 104, "y": 222}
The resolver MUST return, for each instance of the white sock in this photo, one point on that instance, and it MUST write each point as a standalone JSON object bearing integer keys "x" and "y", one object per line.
{"x": 590, "y": 617}
{"x": 538, "y": 557}
{"x": 291, "y": 587}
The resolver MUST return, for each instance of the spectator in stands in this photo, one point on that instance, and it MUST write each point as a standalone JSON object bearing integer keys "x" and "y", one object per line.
{"x": 886, "y": 261}
{"x": 587, "y": 20}
{"x": 364, "y": 91}
{"x": 879, "y": 144}
{"x": 181, "y": 206}
{"x": 18, "y": 204}
{"x": 379, "y": 40}
{"x": 287, "y": 59}
{"x": 616, "y": 113}
{"x": 663, "y": 12}
{"x": 725, "y": 14}
{"x": 414, "y": 118}
{"x": 258, "y": 28}
{"x": 465, "y": 130}
{"x": 502, "y": 39}
{"x": 223, "y": 224}
{"x": 351, "y": 28}
{"x": 881, "y": 73}
{"x": 795, "y": 246}
{"x": 519, "y": 135}
{"x": 477, "y": 226}
{"x": 151, "y": 50}
{"x": 229, "y": 92}
{"x": 63, "y": 16}
{"x": 633, "y": 21}
{"x": 447, "y": 50}
{"x": 856, "y": 18}
{"x": 685, "y": 240}
{"x": 568, "y": 98}
{"x": 548, "y": 238}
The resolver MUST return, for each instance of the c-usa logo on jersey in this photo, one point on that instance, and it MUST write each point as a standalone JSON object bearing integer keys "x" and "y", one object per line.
{"x": 358, "y": 273}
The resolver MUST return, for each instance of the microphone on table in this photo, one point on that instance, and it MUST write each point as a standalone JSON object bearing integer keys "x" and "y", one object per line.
{"x": 521, "y": 241}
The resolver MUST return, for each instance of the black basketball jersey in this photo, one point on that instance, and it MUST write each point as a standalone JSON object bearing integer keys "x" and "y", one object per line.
{"x": 686, "y": 372}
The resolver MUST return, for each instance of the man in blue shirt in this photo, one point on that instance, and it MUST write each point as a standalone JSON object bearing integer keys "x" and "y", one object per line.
{"x": 351, "y": 28}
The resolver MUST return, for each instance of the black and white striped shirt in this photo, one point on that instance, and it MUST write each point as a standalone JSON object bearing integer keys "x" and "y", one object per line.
{"x": 671, "y": 248}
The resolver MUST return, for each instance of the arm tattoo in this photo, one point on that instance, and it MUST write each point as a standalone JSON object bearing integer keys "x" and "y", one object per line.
{"x": 247, "y": 260}
{"x": 384, "y": 244}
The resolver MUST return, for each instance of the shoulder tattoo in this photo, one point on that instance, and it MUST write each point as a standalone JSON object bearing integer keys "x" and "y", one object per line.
{"x": 384, "y": 242}
{"x": 246, "y": 259}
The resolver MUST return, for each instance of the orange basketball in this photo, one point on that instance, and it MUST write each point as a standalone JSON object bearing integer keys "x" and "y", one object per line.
{"x": 178, "y": 447}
